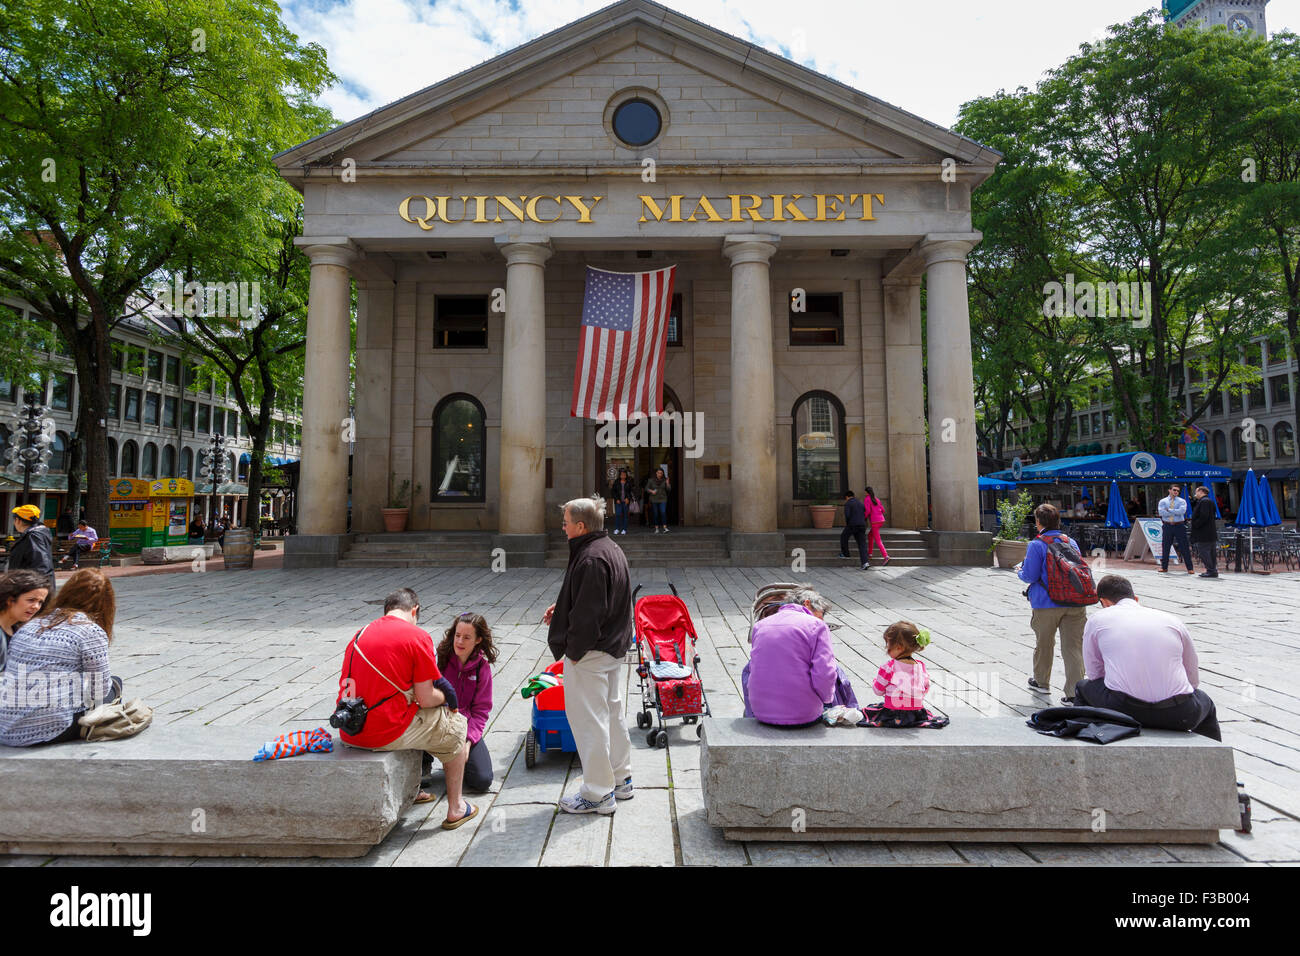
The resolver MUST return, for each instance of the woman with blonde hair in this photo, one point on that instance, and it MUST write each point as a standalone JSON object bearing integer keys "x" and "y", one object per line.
{"x": 57, "y": 665}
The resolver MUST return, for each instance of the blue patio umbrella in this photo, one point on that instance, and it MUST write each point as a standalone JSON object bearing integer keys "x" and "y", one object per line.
{"x": 1267, "y": 505}
{"x": 1116, "y": 516}
{"x": 1187, "y": 496}
{"x": 1251, "y": 512}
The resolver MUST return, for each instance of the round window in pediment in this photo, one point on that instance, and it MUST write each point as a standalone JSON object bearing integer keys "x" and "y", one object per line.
{"x": 637, "y": 122}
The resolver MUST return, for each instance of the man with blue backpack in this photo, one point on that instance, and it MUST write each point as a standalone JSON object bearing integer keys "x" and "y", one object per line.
{"x": 1060, "y": 586}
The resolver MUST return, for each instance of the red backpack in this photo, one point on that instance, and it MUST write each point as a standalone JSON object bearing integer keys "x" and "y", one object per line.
{"x": 1069, "y": 579}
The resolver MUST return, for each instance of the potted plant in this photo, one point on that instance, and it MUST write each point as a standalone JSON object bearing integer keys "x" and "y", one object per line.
{"x": 822, "y": 510}
{"x": 1009, "y": 543}
{"x": 399, "y": 503}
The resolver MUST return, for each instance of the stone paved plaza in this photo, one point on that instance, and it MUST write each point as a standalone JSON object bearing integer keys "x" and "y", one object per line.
{"x": 264, "y": 647}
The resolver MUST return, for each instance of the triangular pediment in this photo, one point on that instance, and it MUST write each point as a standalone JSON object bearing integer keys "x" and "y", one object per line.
{"x": 727, "y": 103}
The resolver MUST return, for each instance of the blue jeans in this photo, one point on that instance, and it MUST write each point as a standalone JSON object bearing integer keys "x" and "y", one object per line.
{"x": 659, "y": 510}
{"x": 620, "y": 516}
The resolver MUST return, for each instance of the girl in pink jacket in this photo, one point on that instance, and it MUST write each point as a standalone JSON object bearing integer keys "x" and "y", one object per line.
{"x": 875, "y": 518}
{"x": 902, "y": 681}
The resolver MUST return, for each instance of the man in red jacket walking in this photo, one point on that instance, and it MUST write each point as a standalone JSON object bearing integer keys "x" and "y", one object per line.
{"x": 591, "y": 628}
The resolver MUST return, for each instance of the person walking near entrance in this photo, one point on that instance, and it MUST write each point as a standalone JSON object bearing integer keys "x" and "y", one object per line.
{"x": 1205, "y": 533}
{"x": 1047, "y": 617}
{"x": 876, "y": 516}
{"x": 658, "y": 488}
{"x": 855, "y": 525}
{"x": 34, "y": 549}
{"x": 591, "y": 631}
{"x": 621, "y": 493}
{"x": 1173, "y": 512}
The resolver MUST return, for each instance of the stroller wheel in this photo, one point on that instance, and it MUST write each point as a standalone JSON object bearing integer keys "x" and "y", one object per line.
{"x": 699, "y": 732}
{"x": 661, "y": 740}
{"x": 530, "y": 750}
{"x": 650, "y": 737}
{"x": 643, "y": 720}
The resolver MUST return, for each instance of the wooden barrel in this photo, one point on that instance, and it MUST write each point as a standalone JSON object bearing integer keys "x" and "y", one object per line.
{"x": 238, "y": 549}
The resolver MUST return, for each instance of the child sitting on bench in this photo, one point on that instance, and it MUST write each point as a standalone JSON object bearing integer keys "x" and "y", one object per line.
{"x": 903, "y": 682}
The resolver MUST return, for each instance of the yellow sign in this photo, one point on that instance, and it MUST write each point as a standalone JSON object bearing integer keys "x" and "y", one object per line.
{"x": 427, "y": 211}
{"x": 144, "y": 488}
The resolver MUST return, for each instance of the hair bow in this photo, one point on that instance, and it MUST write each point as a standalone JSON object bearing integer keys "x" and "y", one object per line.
{"x": 922, "y": 639}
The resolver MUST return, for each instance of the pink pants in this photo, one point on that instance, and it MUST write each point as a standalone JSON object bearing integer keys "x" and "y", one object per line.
{"x": 875, "y": 541}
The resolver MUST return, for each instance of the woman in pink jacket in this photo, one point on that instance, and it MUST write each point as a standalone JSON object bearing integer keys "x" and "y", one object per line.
{"x": 465, "y": 657}
{"x": 875, "y": 518}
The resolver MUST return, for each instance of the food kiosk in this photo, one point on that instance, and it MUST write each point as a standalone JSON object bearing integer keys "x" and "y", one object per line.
{"x": 148, "y": 513}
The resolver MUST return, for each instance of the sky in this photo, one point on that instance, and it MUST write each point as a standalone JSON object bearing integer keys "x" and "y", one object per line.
{"x": 925, "y": 56}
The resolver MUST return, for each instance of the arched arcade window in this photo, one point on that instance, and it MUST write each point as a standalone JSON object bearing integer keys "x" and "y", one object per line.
{"x": 459, "y": 449}
{"x": 187, "y": 464}
{"x": 168, "y": 462}
{"x": 149, "y": 464}
{"x": 1284, "y": 438}
{"x": 817, "y": 443}
{"x": 1220, "y": 447}
{"x": 129, "y": 456}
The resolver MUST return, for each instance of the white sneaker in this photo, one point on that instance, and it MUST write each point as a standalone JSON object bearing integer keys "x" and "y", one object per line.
{"x": 577, "y": 803}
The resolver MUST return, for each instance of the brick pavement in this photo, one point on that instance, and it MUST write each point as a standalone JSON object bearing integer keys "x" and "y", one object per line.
{"x": 264, "y": 647}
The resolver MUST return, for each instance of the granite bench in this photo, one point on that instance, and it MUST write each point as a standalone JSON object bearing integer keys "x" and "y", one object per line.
{"x": 984, "y": 779}
{"x": 178, "y": 790}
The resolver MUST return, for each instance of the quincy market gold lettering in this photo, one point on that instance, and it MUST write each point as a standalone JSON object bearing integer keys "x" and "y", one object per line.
{"x": 525, "y": 209}
{"x": 774, "y": 207}
{"x": 425, "y": 211}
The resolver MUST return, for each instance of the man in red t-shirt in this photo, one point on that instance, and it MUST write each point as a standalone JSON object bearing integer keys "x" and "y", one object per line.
{"x": 411, "y": 706}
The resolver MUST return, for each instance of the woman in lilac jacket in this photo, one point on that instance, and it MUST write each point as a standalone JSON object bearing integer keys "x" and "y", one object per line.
{"x": 791, "y": 676}
{"x": 465, "y": 657}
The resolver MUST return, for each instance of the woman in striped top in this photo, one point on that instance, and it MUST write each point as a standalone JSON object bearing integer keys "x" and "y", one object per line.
{"x": 57, "y": 665}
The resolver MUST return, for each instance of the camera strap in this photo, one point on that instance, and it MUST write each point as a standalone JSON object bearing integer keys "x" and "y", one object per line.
{"x": 356, "y": 646}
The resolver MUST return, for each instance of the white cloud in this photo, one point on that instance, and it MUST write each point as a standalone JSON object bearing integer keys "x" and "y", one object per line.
{"x": 927, "y": 56}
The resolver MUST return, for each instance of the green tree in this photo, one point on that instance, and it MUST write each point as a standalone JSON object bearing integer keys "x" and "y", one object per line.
{"x": 123, "y": 126}
{"x": 1140, "y": 119}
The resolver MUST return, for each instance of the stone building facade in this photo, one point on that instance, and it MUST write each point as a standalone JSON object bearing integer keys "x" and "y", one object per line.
{"x": 631, "y": 140}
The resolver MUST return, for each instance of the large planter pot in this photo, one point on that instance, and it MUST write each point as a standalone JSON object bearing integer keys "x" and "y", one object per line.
{"x": 823, "y": 516}
{"x": 1009, "y": 553}
{"x": 395, "y": 518}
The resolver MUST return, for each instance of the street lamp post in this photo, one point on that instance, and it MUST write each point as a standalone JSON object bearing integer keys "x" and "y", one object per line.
{"x": 214, "y": 467}
{"x": 33, "y": 437}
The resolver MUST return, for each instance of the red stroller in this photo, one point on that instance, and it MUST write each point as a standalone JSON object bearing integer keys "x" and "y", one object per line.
{"x": 667, "y": 665}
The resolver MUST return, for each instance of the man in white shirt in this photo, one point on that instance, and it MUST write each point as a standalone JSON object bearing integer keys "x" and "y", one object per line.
{"x": 1173, "y": 512}
{"x": 1141, "y": 662}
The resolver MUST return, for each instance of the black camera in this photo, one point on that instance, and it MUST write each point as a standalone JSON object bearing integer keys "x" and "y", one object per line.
{"x": 350, "y": 715}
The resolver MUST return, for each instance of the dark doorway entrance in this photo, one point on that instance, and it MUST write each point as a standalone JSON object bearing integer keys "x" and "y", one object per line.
{"x": 641, "y": 463}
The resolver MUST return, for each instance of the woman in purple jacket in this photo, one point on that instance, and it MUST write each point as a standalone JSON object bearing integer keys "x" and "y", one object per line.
{"x": 465, "y": 657}
{"x": 792, "y": 676}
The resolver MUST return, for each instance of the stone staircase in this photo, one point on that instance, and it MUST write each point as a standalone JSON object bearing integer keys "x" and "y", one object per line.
{"x": 822, "y": 548}
{"x": 681, "y": 547}
{"x": 420, "y": 549}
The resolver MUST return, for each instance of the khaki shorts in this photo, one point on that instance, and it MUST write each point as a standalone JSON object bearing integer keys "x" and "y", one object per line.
{"x": 435, "y": 730}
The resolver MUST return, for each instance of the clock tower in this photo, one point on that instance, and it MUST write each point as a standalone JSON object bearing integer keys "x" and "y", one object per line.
{"x": 1238, "y": 15}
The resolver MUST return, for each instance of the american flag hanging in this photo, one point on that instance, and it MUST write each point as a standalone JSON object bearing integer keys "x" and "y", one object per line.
{"x": 620, "y": 369}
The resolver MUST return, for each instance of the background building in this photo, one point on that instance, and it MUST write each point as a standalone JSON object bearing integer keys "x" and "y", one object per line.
{"x": 162, "y": 413}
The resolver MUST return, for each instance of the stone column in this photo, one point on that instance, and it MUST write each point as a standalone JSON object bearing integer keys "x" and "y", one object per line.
{"x": 754, "y": 539}
{"x": 905, "y": 403}
{"x": 323, "y": 484}
{"x": 522, "y": 508}
{"x": 954, "y": 472}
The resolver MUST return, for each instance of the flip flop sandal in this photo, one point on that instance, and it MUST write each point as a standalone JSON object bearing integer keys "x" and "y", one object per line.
{"x": 471, "y": 812}
{"x": 424, "y": 796}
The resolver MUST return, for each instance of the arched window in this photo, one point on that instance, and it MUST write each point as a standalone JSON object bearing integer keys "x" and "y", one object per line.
{"x": 187, "y": 463}
{"x": 168, "y": 462}
{"x": 1284, "y": 438}
{"x": 1220, "y": 447}
{"x": 129, "y": 457}
{"x": 459, "y": 449}
{"x": 112, "y": 458}
{"x": 1262, "y": 443}
{"x": 817, "y": 445}
{"x": 59, "y": 452}
{"x": 149, "y": 463}
{"x": 1109, "y": 448}
{"x": 1238, "y": 446}
{"x": 232, "y": 468}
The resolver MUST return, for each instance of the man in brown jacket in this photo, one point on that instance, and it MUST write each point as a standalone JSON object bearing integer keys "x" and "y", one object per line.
{"x": 591, "y": 628}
